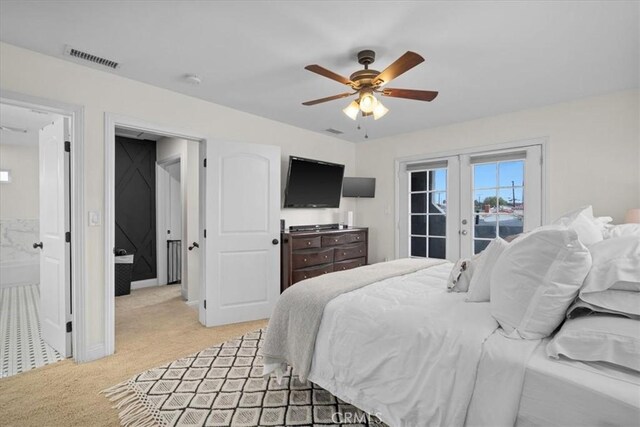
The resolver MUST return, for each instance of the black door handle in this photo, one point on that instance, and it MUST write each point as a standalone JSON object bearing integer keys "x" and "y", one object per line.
{"x": 37, "y": 245}
{"x": 275, "y": 241}
{"x": 195, "y": 245}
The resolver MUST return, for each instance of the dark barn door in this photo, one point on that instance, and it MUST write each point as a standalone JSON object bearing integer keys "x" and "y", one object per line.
{"x": 136, "y": 204}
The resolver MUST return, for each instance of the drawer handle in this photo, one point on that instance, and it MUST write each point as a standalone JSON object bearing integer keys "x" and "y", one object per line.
{"x": 305, "y": 277}
{"x": 308, "y": 243}
{"x": 326, "y": 256}
{"x": 360, "y": 251}
{"x": 344, "y": 268}
{"x": 358, "y": 238}
{"x": 305, "y": 260}
{"x": 335, "y": 240}
{"x": 325, "y": 272}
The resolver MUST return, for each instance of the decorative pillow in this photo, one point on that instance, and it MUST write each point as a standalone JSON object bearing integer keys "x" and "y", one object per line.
{"x": 614, "y": 279}
{"x": 479, "y": 286}
{"x": 581, "y": 220}
{"x": 622, "y": 230}
{"x": 536, "y": 279}
{"x": 603, "y": 338}
{"x": 461, "y": 275}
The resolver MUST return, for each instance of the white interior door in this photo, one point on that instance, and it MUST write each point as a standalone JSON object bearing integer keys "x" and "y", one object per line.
{"x": 241, "y": 248}
{"x": 54, "y": 214}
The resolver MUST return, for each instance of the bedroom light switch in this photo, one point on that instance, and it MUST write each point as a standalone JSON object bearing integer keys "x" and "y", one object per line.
{"x": 94, "y": 218}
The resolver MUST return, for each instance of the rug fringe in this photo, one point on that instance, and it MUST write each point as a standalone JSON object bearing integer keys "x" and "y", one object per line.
{"x": 134, "y": 411}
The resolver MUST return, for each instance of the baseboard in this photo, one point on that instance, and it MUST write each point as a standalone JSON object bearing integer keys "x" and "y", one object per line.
{"x": 139, "y": 284}
{"x": 94, "y": 352}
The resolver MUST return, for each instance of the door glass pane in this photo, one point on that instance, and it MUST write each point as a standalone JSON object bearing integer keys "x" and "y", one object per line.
{"x": 437, "y": 247}
{"x": 419, "y": 224}
{"x": 484, "y": 201}
{"x": 511, "y": 173}
{"x": 419, "y": 181}
{"x": 428, "y": 195}
{"x": 419, "y": 203}
{"x": 485, "y": 226}
{"x": 484, "y": 175}
{"x": 437, "y": 225}
{"x": 510, "y": 225}
{"x": 510, "y": 199}
{"x": 438, "y": 180}
{"x": 480, "y": 245}
{"x": 419, "y": 246}
{"x": 438, "y": 202}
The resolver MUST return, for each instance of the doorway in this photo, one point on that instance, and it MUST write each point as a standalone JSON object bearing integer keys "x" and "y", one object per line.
{"x": 452, "y": 205}
{"x": 35, "y": 239}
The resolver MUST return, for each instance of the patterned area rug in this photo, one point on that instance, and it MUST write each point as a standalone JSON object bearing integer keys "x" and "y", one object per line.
{"x": 223, "y": 386}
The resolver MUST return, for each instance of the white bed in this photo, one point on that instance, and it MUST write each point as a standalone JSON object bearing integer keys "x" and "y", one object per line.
{"x": 410, "y": 352}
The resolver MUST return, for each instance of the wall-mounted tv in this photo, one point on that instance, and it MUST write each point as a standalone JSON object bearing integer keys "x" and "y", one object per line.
{"x": 358, "y": 187}
{"x": 313, "y": 184}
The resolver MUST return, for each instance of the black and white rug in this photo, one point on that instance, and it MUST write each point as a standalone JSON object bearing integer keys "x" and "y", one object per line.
{"x": 223, "y": 386}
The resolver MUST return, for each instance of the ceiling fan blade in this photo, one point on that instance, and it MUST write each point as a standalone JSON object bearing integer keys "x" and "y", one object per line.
{"x": 328, "y": 98}
{"x": 328, "y": 73}
{"x": 420, "y": 95}
{"x": 400, "y": 66}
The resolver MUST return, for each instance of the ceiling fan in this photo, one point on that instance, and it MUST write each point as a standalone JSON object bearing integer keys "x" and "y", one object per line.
{"x": 368, "y": 82}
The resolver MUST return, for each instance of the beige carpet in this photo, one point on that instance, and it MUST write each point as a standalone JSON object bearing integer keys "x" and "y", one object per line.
{"x": 153, "y": 326}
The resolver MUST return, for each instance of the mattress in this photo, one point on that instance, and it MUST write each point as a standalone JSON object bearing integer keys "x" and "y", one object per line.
{"x": 570, "y": 393}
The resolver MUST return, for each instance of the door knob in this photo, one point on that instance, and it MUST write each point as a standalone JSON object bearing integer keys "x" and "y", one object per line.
{"x": 463, "y": 232}
{"x": 37, "y": 245}
{"x": 275, "y": 241}
{"x": 195, "y": 245}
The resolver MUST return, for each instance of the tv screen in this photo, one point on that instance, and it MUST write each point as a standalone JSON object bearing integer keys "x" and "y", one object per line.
{"x": 313, "y": 184}
{"x": 359, "y": 187}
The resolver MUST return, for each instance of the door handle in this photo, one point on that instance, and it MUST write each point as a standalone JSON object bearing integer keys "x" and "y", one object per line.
{"x": 463, "y": 232}
{"x": 195, "y": 245}
{"x": 275, "y": 241}
{"x": 37, "y": 245}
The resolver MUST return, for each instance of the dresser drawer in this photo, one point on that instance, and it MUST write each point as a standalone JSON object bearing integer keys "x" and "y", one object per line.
{"x": 355, "y": 237}
{"x": 305, "y": 242}
{"x": 347, "y": 265}
{"x": 308, "y": 273}
{"x": 350, "y": 252}
{"x": 311, "y": 257}
{"x": 334, "y": 240}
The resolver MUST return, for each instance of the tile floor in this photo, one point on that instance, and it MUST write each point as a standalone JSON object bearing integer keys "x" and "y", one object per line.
{"x": 21, "y": 347}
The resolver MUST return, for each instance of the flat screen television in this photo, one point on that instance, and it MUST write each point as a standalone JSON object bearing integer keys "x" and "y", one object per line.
{"x": 358, "y": 187}
{"x": 313, "y": 184}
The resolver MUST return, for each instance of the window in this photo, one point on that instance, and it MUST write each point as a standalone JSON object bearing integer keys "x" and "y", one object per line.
{"x": 498, "y": 199}
{"x": 428, "y": 213}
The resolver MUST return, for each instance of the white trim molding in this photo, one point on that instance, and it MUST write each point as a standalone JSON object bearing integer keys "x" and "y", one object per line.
{"x": 111, "y": 121}
{"x": 79, "y": 302}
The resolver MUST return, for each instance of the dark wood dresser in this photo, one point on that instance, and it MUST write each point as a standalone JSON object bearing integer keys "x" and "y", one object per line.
{"x": 307, "y": 254}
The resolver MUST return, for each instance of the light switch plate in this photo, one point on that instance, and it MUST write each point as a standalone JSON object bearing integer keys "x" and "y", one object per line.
{"x": 94, "y": 218}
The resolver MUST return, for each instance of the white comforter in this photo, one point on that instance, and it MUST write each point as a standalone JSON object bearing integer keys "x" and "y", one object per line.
{"x": 404, "y": 349}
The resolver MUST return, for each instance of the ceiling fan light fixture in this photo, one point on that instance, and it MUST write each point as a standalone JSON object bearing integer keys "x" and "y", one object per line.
{"x": 352, "y": 110}
{"x": 368, "y": 102}
{"x": 379, "y": 111}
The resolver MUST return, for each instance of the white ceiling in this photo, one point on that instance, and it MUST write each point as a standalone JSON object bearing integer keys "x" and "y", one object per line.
{"x": 485, "y": 58}
{"x": 20, "y": 119}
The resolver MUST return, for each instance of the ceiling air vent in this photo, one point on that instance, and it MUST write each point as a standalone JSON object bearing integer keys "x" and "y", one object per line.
{"x": 334, "y": 131}
{"x": 68, "y": 50}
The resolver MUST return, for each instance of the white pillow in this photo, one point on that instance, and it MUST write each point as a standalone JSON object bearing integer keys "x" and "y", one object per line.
{"x": 581, "y": 220}
{"x": 536, "y": 279}
{"x": 614, "y": 279}
{"x": 461, "y": 274}
{"x": 480, "y": 285}
{"x": 603, "y": 338}
{"x": 622, "y": 230}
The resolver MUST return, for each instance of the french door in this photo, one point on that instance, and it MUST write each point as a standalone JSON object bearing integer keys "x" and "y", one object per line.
{"x": 452, "y": 207}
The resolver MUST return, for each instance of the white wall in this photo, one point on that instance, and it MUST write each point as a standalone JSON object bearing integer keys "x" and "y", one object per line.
{"x": 594, "y": 158}
{"x": 39, "y": 75}
{"x": 19, "y": 211}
